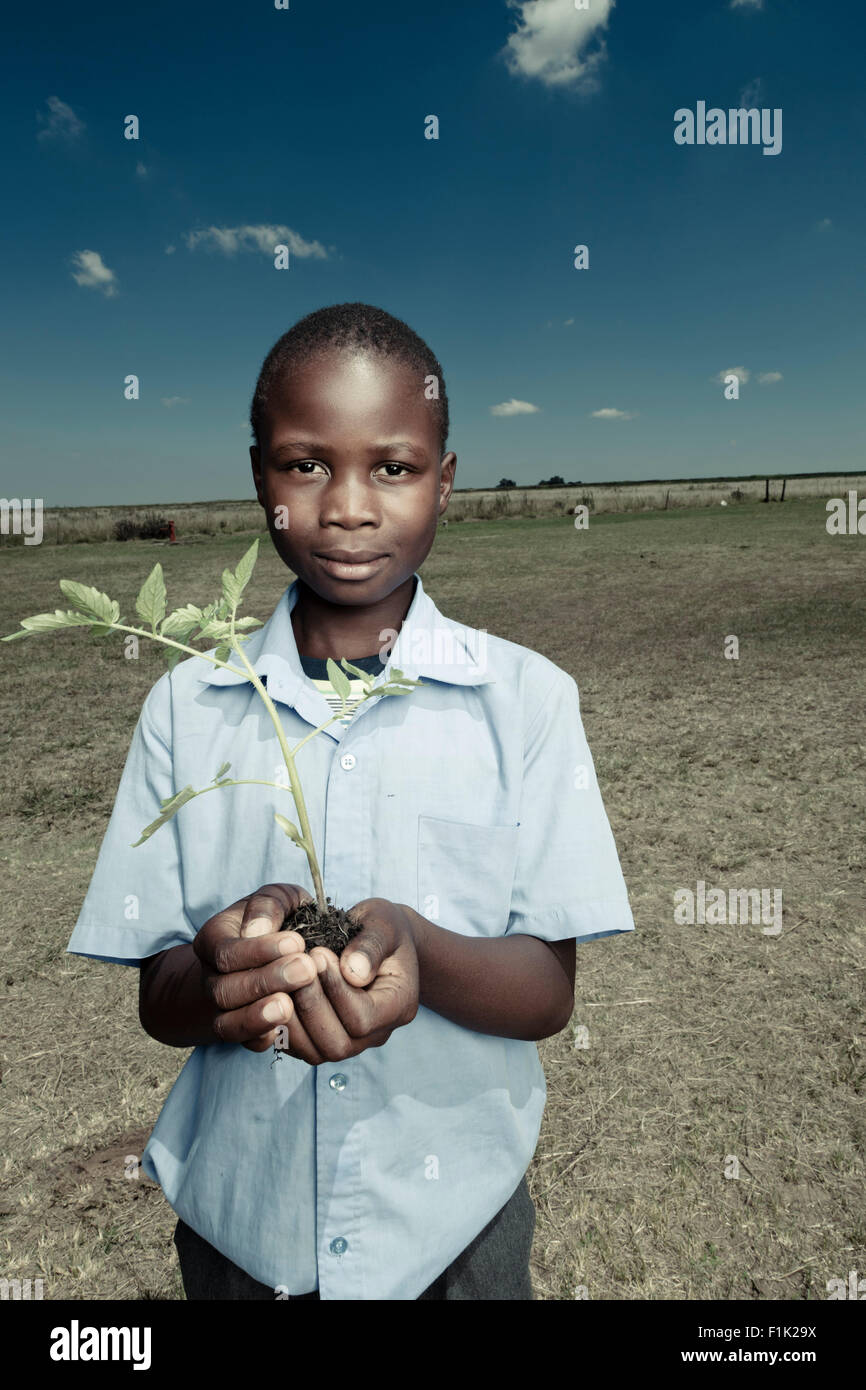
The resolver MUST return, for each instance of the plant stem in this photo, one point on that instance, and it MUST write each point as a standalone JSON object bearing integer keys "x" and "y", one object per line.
{"x": 169, "y": 642}
{"x": 294, "y": 780}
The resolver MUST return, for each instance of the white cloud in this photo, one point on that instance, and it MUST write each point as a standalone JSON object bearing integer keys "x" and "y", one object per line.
{"x": 769, "y": 378}
{"x": 169, "y": 401}
{"x": 824, "y": 223}
{"x": 742, "y": 372}
{"x": 566, "y": 322}
{"x": 230, "y": 240}
{"x": 141, "y": 170}
{"x": 93, "y": 274}
{"x": 62, "y": 124}
{"x": 609, "y": 412}
{"x": 514, "y": 407}
{"x": 170, "y": 250}
{"x": 747, "y": 4}
{"x": 551, "y": 40}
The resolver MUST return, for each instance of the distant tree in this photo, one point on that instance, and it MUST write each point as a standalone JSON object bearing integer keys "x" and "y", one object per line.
{"x": 555, "y": 481}
{"x": 506, "y": 482}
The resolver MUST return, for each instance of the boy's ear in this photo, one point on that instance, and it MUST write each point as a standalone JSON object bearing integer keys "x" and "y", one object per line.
{"x": 256, "y": 461}
{"x": 446, "y": 479}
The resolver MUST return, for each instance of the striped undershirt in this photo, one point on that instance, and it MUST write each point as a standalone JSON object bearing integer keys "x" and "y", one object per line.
{"x": 316, "y": 671}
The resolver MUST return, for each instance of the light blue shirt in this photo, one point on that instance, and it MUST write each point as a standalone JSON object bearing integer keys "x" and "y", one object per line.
{"x": 474, "y": 801}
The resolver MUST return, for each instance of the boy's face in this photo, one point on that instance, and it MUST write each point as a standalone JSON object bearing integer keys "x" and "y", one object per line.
{"x": 349, "y": 462}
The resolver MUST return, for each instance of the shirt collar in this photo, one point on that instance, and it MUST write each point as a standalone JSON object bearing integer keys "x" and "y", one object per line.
{"x": 428, "y": 646}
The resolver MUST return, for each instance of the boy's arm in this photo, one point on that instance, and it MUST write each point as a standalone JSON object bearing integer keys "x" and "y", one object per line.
{"x": 512, "y": 986}
{"x": 172, "y": 1005}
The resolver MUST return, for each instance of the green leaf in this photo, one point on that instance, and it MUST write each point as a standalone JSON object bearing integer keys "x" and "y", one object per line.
{"x": 406, "y": 681}
{"x": 91, "y": 602}
{"x": 365, "y": 676}
{"x": 214, "y": 627}
{"x": 291, "y": 830}
{"x": 339, "y": 680}
{"x": 248, "y": 622}
{"x": 223, "y": 653}
{"x": 49, "y": 622}
{"x": 231, "y": 590}
{"x": 170, "y": 808}
{"x": 173, "y": 656}
{"x": 222, "y": 772}
{"x": 245, "y": 568}
{"x": 181, "y": 623}
{"x": 151, "y": 602}
{"x": 405, "y": 689}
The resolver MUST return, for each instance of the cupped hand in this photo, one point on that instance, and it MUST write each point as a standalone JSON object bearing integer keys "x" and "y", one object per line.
{"x": 251, "y": 967}
{"x": 357, "y": 1000}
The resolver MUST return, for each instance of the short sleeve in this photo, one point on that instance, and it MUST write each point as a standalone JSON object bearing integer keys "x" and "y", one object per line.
{"x": 134, "y": 906}
{"x": 568, "y": 881}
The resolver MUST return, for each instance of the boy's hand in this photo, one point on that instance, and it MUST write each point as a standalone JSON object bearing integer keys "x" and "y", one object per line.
{"x": 358, "y": 999}
{"x": 251, "y": 966}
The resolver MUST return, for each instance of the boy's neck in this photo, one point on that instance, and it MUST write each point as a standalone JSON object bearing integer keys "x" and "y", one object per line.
{"x": 325, "y": 629}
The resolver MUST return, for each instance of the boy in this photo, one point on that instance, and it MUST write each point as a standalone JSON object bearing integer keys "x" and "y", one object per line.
{"x": 383, "y": 1156}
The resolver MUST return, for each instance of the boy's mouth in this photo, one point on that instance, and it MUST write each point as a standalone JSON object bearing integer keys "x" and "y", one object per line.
{"x": 346, "y": 564}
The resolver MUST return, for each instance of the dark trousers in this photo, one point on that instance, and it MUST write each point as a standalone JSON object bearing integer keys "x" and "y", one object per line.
{"x": 495, "y": 1265}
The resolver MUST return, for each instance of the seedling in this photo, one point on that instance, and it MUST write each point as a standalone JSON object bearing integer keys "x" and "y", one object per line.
{"x": 320, "y": 924}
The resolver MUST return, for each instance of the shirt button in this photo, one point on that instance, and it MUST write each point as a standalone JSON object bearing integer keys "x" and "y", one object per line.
{"x": 338, "y": 1246}
{"x": 338, "y": 1081}
{"x": 348, "y": 761}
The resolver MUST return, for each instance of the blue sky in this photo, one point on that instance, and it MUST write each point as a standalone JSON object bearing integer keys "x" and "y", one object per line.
{"x": 556, "y": 128}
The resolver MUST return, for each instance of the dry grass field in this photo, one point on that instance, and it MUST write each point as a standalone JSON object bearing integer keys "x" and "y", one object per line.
{"x": 703, "y": 1043}
{"x": 82, "y": 525}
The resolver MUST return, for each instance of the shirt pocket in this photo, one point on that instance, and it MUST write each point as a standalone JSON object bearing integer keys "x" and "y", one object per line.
{"x": 465, "y": 875}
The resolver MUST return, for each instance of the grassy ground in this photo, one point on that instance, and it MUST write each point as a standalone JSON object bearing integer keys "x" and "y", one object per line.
{"x": 704, "y": 1043}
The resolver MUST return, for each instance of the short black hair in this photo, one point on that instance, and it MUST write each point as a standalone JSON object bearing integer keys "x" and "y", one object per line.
{"x": 353, "y": 327}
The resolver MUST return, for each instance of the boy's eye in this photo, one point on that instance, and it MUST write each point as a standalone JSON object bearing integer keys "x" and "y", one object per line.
{"x": 312, "y": 463}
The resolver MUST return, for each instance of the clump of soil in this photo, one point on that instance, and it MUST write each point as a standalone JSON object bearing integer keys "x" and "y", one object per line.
{"x": 334, "y": 930}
